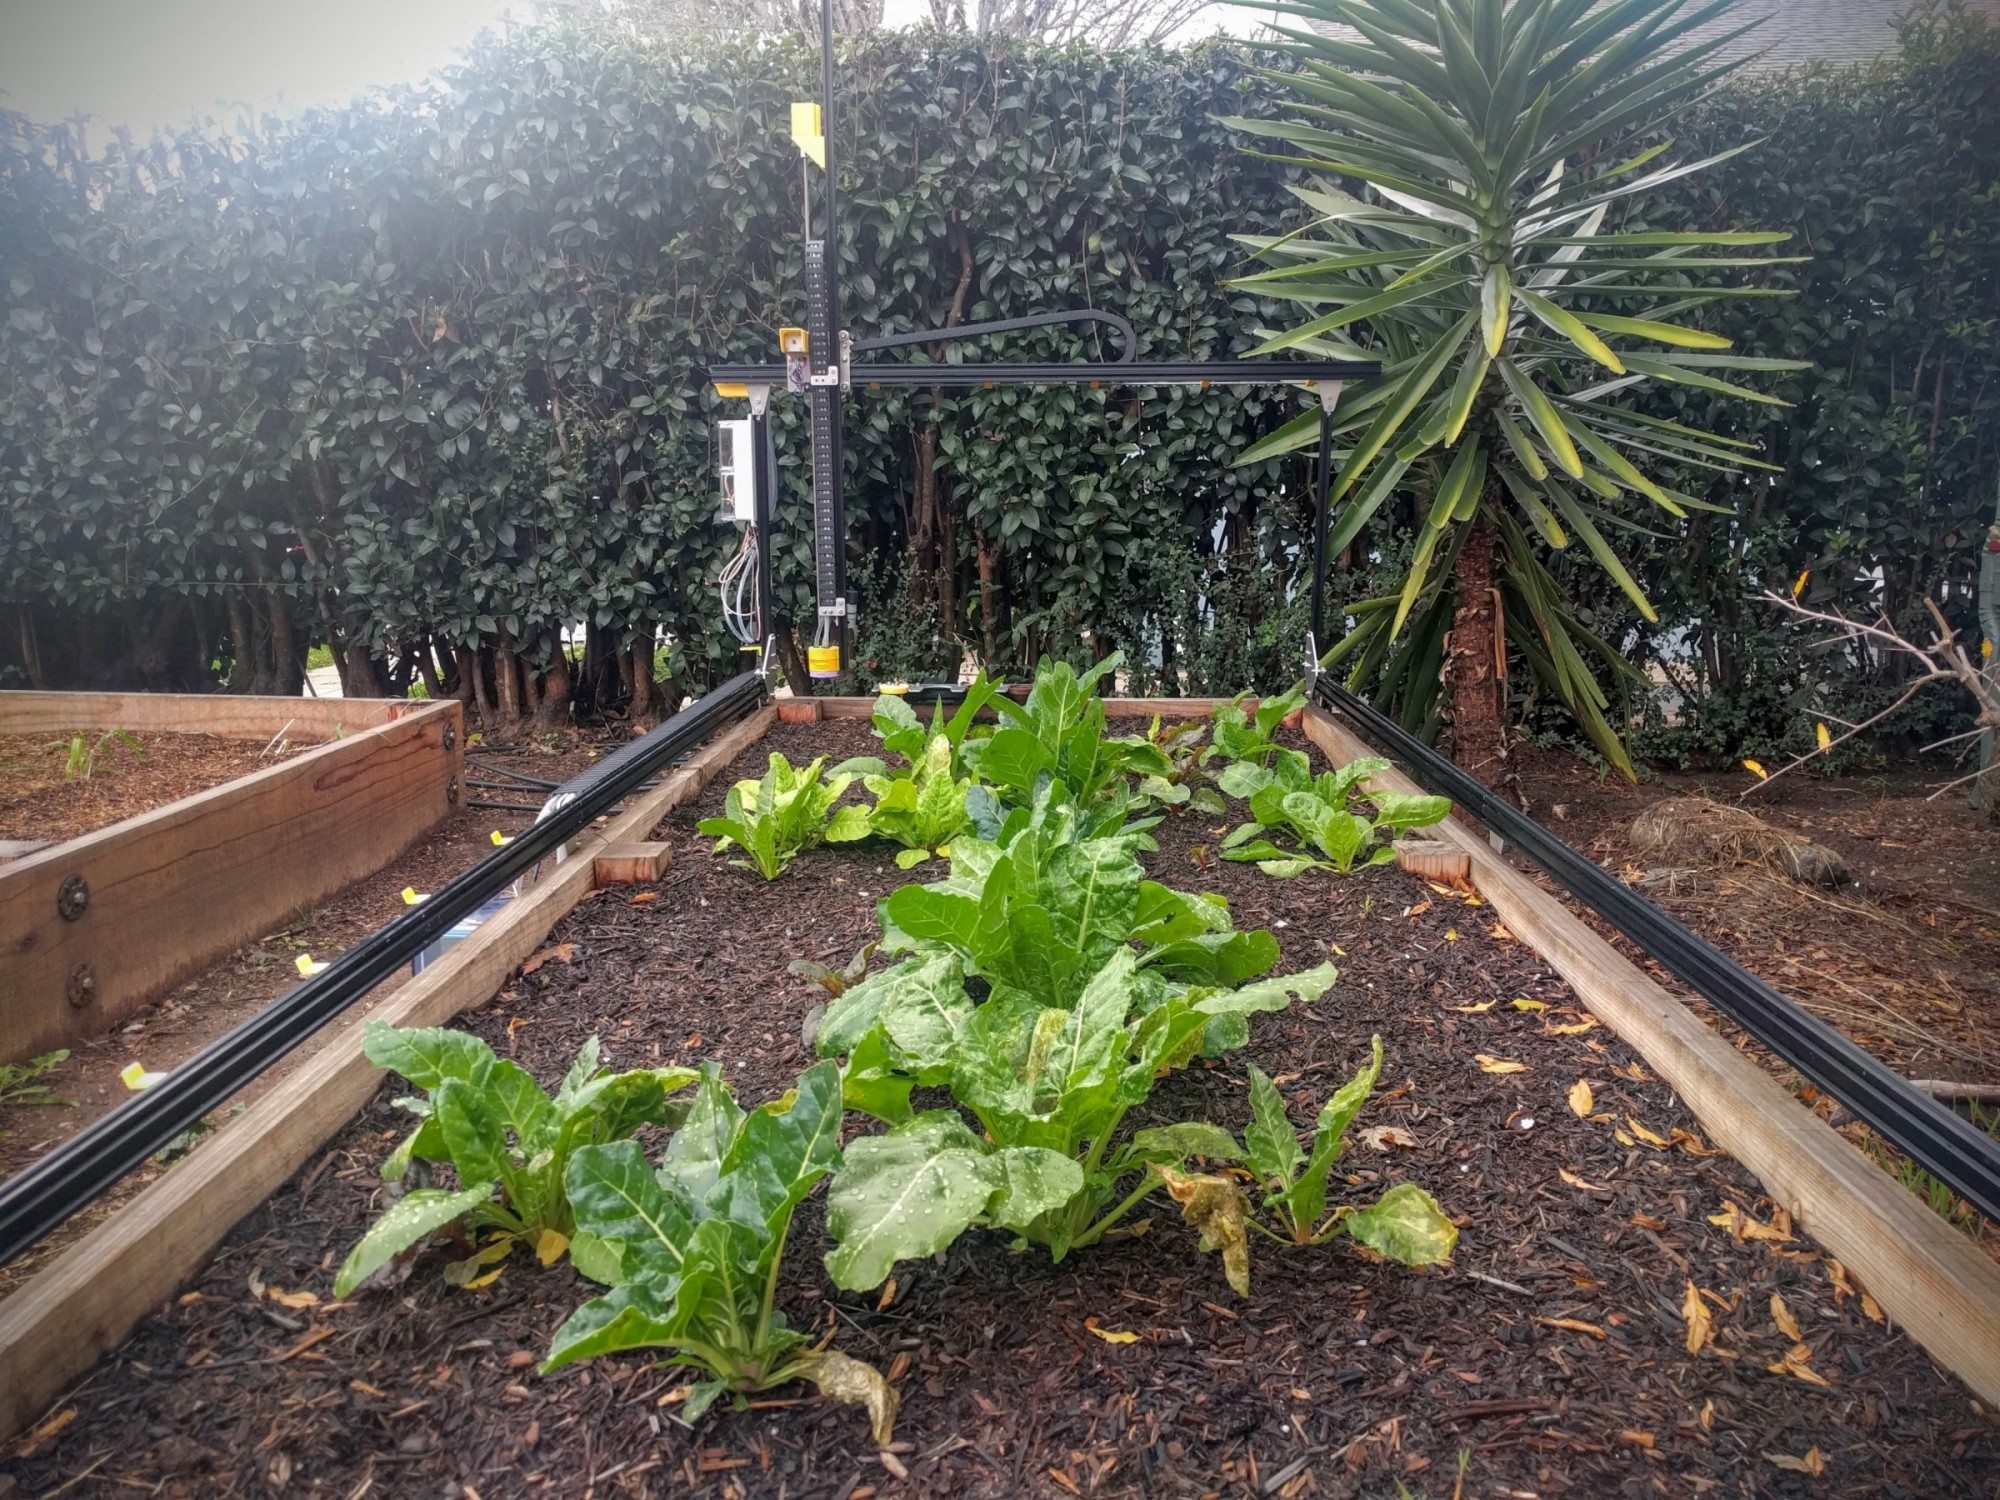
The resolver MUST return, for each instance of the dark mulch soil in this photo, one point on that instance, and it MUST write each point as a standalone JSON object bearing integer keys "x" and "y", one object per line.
{"x": 1549, "y": 1359}
{"x": 40, "y": 801}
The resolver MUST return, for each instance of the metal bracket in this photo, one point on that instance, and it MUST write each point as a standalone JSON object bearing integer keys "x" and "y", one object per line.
{"x": 1312, "y": 661}
{"x": 760, "y": 400}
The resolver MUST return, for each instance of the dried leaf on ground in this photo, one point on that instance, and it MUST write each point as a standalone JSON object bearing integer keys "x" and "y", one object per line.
{"x": 1111, "y": 1335}
{"x": 1586, "y": 1024}
{"x": 1646, "y": 1135}
{"x": 1782, "y": 1316}
{"x": 1581, "y": 1100}
{"x": 1798, "y": 1364}
{"x": 1577, "y": 1182}
{"x": 1382, "y": 1137}
{"x": 1811, "y": 1464}
{"x": 1524, "y": 1003}
{"x": 1575, "y": 1325}
{"x": 563, "y": 952}
{"x": 1745, "y": 1226}
{"x": 1700, "y": 1323}
{"x": 1473, "y": 1010}
{"x": 1498, "y": 1064}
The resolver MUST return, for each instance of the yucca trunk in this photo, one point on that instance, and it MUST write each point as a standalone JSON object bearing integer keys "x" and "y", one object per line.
{"x": 1472, "y": 665}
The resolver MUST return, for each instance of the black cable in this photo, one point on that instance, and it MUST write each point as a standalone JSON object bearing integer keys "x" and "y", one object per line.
{"x": 75, "y": 1173}
{"x": 1965, "y": 1159}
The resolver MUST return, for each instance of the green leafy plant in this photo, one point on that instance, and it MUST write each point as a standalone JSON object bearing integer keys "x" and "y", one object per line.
{"x": 922, "y": 809}
{"x": 903, "y": 733}
{"x": 1318, "y": 812}
{"x": 1516, "y": 321}
{"x": 509, "y": 1143}
{"x": 1404, "y": 1224}
{"x": 1186, "y": 750}
{"x": 81, "y": 762}
{"x": 1050, "y": 987}
{"x": 1249, "y": 736}
{"x": 1057, "y": 735}
{"x": 835, "y": 982}
{"x": 20, "y": 1082}
{"x": 791, "y": 809}
{"x": 691, "y": 1249}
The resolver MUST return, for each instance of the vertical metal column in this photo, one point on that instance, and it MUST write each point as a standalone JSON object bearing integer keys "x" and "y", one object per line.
{"x": 764, "y": 481}
{"x": 822, "y": 276}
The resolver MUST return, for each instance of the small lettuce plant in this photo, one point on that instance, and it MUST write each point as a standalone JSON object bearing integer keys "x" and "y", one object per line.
{"x": 691, "y": 1249}
{"x": 1319, "y": 814}
{"x": 509, "y": 1143}
{"x": 789, "y": 810}
{"x": 1248, "y": 737}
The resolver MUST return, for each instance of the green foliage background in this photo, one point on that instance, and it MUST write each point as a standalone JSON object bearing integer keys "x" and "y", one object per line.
{"x": 426, "y": 368}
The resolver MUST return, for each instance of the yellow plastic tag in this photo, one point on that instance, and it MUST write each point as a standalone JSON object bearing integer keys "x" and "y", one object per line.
{"x": 414, "y": 897}
{"x": 806, "y": 132}
{"x": 306, "y": 967}
{"x": 137, "y": 1079}
{"x": 500, "y": 840}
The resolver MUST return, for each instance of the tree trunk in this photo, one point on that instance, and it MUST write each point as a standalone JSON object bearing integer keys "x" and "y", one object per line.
{"x": 790, "y": 663}
{"x": 482, "y": 695}
{"x": 553, "y": 711}
{"x": 427, "y": 670}
{"x": 242, "y": 644}
{"x": 989, "y": 603}
{"x": 287, "y": 670}
{"x": 506, "y": 680}
{"x": 642, "y": 675}
{"x": 1472, "y": 671}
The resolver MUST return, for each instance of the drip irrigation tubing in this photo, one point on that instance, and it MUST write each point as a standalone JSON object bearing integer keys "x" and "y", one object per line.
{"x": 38, "y": 1199}
{"x": 1965, "y": 1159}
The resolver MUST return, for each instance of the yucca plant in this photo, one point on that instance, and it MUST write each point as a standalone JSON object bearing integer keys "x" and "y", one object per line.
{"x": 1498, "y": 146}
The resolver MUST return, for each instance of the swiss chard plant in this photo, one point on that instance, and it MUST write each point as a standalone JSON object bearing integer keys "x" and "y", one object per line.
{"x": 902, "y": 732}
{"x": 1186, "y": 750}
{"x": 922, "y": 809}
{"x": 1246, "y": 739}
{"x": 691, "y": 1249}
{"x": 789, "y": 810}
{"x": 1057, "y": 736}
{"x": 1319, "y": 812}
{"x": 509, "y": 1143}
{"x": 1049, "y": 987}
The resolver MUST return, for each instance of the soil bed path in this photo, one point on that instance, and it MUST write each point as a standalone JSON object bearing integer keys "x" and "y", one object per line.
{"x": 1549, "y": 1359}
{"x": 41, "y": 801}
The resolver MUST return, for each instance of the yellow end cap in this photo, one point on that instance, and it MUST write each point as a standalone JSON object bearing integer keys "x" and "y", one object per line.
{"x": 734, "y": 388}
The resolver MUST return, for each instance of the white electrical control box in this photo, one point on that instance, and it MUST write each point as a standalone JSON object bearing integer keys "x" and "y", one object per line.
{"x": 735, "y": 470}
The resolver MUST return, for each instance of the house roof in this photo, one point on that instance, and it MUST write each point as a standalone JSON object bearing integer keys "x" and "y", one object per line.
{"x": 1793, "y": 33}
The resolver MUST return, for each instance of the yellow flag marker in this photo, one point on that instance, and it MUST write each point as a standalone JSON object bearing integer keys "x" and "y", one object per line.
{"x": 1824, "y": 736}
{"x": 414, "y": 897}
{"x": 137, "y": 1079}
{"x": 1756, "y": 770}
{"x": 500, "y": 840}
{"x": 1799, "y": 587}
{"x": 807, "y": 133}
{"x": 307, "y": 967}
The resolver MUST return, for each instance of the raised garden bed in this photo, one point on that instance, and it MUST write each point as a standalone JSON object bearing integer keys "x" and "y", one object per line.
{"x": 95, "y": 926}
{"x": 1549, "y": 1358}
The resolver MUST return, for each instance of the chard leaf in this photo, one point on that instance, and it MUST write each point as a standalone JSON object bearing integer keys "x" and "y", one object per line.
{"x": 779, "y": 1155}
{"x": 1305, "y": 1199}
{"x": 693, "y": 1158}
{"x": 1244, "y": 778}
{"x": 849, "y": 824}
{"x": 1270, "y": 1142}
{"x": 580, "y": 1073}
{"x": 618, "y": 1197}
{"x": 1163, "y": 915}
{"x": 906, "y": 1194}
{"x": 1013, "y": 758}
{"x": 701, "y": 1396}
{"x": 1033, "y": 1181}
{"x": 874, "y": 1083}
{"x": 935, "y": 916}
{"x": 636, "y": 1315}
{"x": 411, "y": 1220}
{"x": 1285, "y": 867}
{"x": 597, "y": 1258}
{"x": 1215, "y": 1206}
{"x": 1174, "y": 1144}
{"x": 1406, "y": 1225}
{"x": 428, "y": 1055}
{"x": 842, "y": 1378}
{"x": 1399, "y": 810}
{"x": 426, "y": 1143}
{"x": 472, "y": 1129}
{"x": 1215, "y": 958}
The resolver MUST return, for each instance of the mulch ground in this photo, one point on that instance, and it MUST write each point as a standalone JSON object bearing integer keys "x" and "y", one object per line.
{"x": 1549, "y": 1359}
{"x": 40, "y": 800}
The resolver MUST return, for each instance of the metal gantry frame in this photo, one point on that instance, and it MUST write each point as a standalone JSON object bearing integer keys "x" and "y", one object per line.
{"x": 829, "y": 369}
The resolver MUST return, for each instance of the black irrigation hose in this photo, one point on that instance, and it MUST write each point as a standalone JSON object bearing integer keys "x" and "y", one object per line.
{"x": 87, "y": 1165}
{"x": 1964, "y": 1159}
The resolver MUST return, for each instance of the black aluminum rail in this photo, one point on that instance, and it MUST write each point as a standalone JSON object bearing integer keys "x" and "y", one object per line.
{"x": 1963, "y": 1158}
{"x": 81, "y": 1169}
{"x": 1135, "y": 372}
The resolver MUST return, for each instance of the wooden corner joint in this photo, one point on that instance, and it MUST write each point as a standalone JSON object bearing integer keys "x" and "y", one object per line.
{"x": 1432, "y": 859}
{"x": 798, "y": 710}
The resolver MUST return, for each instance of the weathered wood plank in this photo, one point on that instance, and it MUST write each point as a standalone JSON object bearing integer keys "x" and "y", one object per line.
{"x": 229, "y": 715}
{"x": 628, "y": 864}
{"x": 1930, "y": 1278}
{"x": 171, "y": 890}
{"x": 90, "y": 1298}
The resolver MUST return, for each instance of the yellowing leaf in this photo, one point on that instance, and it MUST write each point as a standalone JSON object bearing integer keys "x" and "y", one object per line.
{"x": 1799, "y": 584}
{"x": 293, "y": 1300}
{"x": 1575, "y": 1325}
{"x": 1577, "y": 1030}
{"x": 1811, "y": 1464}
{"x": 1744, "y": 1226}
{"x": 1756, "y": 770}
{"x": 487, "y": 1280}
{"x": 1693, "y": 1144}
{"x": 1577, "y": 1182}
{"x": 1700, "y": 1323}
{"x": 1499, "y": 1065}
{"x": 1382, "y": 1137}
{"x": 1782, "y": 1316}
{"x": 1824, "y": 736}
{"x": 1111, "y": 1335}
{"x": 1526, "y": 1004}
{"x": 1581, "y": 1100}
{"x": 1451, "y": 934}
{"x": 550, "y": 1246}
{"x": 1646, "y": 1135}
{"x": 1216, "y": 1208}
{"x": 1796, "y": 1363}
{"x": 562, "y": 952}
{"x": 1473, "y": 1010}
{"x": 1499, "y": 930}
{"x": 1872, "y": 1308}
{"x": 1837, "y": 1274}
